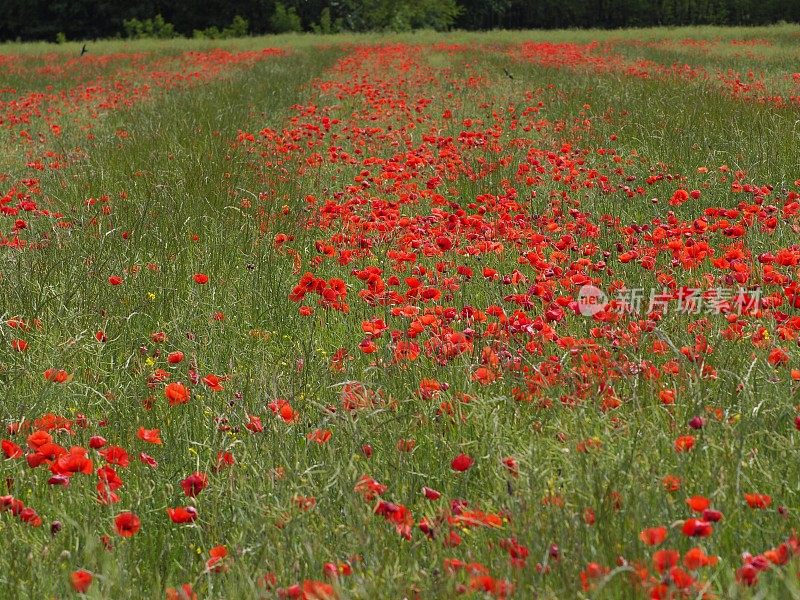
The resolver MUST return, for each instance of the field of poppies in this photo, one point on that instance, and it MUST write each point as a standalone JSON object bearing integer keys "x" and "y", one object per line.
{"x": 424, "y": 316}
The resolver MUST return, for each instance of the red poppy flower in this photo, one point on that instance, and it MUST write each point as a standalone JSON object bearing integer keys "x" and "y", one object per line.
{"x": 127, "y": 524}
{"x": 431, "y": 494}
{"x": 57, "y": 375}
{"x": 153, "y": 436}
{"x": 697, "y": 528}
{"x": 224, "y": 459}
{"x": 115, "y": 455}
{"x": 512, "y": 465}
{"x": 696, "y": 558}
{"x": 665, "y": 559}
{"x": 680, "y": 578}
{"x": 667, "y": 397}
{"x": 38, "y": 439}
{"x": 11, "y": 450}
{"x": 217, "y": 555}
{"x": 176, "y": 393}
{"x": 462, "y": 462}
{"x": 654, "y": 536}
{"x": 320, "y": 436}
{"x": 200, "y": 278}
{"x": 158, "y": 376}
{"x": 672, "y": 483}
{"x": 254, "y": 424}
{"x": 182, "y": 514}
{"x": 698, "y": 503}
{"x": 332, "y": 570}
{"x": 367, "y": 346}
{"x": 406, "y": 445}
{"x": 75, "y": 461}
{"x": 304, "y": 503}
{"x": 484, "y": 375}
{"x": 778, "y": 356}
{"x": 96, "y": 442}
{"x": 747, "y": 575}
{"x": 148, "y": 460}
{"x": 213, "y": 382}
{"x": 284, "y": 410}
{"x": 318, "y": 590}
{"x": 184, "y": 592}
{"x": 108, "y": 478}
{"x": 80, "y": 580}
{"x": 29, "y": 516}
{"x": 684, "y": 443}
{"x": 590, "y": 574}
{"x": 758, "y": 500}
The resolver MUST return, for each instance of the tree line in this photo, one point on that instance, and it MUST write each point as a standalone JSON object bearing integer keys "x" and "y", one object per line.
{"x": 54, "y": 20}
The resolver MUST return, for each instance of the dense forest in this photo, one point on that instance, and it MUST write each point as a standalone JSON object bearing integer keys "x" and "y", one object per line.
{"x": 54, "y": 20}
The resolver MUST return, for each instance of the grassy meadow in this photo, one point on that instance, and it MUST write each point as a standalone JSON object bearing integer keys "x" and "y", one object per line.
{"x": 300, "y": 317}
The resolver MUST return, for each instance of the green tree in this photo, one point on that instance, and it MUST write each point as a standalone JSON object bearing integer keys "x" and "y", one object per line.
{"x": 487, "y": 14}
{"x": 88, "y": 19}
{"x": 285, "y": 19}
{"x": 402, "y": 15}
{"x": 156, "y": 28}
{"x": 326, "y": 23}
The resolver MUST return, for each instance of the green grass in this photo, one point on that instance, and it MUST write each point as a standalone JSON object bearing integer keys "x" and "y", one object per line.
{"x": 177, "y": 171}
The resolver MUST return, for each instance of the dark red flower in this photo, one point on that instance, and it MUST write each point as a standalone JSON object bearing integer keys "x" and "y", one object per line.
{"x": 194, "y": 484}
